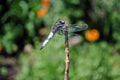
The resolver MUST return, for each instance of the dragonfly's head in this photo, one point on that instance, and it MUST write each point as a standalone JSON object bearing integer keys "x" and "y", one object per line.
{"x": 62, "y": 22}
{"x": 59, "y": 24}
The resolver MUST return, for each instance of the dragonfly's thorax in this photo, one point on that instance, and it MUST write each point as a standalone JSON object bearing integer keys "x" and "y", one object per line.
{"x": 59, "y": 25}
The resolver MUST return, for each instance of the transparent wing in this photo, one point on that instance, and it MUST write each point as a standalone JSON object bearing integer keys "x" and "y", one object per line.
{"x": 76, "y": 28}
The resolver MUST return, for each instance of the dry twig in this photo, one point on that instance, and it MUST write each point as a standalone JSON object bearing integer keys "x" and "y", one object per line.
{"x": 67, "y": 55}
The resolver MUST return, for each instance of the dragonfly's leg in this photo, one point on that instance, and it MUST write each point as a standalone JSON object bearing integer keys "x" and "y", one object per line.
{"x": 60, "y": 32}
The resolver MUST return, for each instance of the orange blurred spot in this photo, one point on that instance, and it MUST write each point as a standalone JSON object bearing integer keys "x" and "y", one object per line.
{"x": 1, "y": 48}
{"x": 92, "y": 35}
{"x": 46, "y": 3}
{"x": 41, "y": 12}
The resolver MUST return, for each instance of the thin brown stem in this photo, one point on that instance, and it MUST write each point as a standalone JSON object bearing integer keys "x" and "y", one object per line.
{"x": 67, "y": 55}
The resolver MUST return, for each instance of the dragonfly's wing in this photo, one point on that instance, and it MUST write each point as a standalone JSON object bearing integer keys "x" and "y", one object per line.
{"x": 75, "y": 28}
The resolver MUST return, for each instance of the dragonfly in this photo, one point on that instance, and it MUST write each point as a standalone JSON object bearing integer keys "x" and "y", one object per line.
{"x": 59, "y": 26}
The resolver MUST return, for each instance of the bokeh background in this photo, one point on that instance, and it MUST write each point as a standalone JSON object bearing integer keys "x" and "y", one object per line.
{"x": 94, "y": 54}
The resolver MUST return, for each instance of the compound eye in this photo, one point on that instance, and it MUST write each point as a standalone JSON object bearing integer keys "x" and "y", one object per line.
{"x": 63, "y": 22}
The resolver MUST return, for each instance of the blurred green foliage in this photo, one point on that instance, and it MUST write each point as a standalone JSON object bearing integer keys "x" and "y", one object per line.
{"x": 87, "y": 62}
{"x": 20, "y": 25}
{"x": 3, "y": 71}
